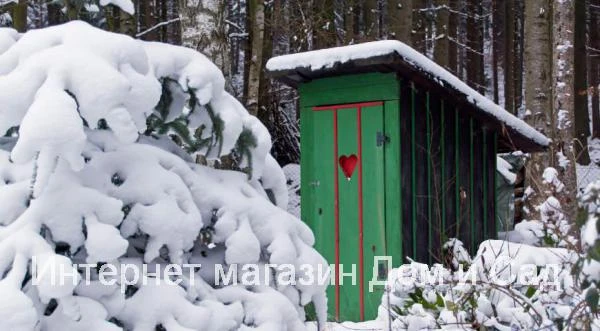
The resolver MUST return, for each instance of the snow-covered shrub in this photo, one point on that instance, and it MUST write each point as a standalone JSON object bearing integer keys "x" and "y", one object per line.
{"x": 79, "y": 184}
{"x": 553, "y": 229}
{"x": 509, "y": 286}
{"x": 587, "y": 269}
{"x": 547, "y": 284}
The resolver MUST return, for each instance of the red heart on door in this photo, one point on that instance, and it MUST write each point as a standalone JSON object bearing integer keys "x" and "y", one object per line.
{"x": 348, "y": 163}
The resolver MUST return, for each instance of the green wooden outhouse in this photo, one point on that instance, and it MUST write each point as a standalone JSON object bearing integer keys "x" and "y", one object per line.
{"x": 397, "y": 156}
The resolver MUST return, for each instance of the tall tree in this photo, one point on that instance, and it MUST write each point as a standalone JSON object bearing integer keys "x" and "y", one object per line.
{"x": 442, "y": 41}
{"x": 497, "y": 35}
{"x": 563, "y": 25}
{"x": 582, "y": 116}
{"x": 509, "y": 67}
{"x": 351, "y": 21}
{"x": 19, "y": 16}
{"x": 399, "y": 20}
{"x": 538, "y": 89}
{"x": 452, "y": 36}
{"x": 594, "y": 65}
{"x": 256, "y": 19}
{"x": 474, "y": 49}
{"x": 419, "y": 26}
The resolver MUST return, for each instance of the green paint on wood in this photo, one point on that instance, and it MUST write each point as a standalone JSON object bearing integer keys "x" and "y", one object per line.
{"x": 386, "y": 193}
{"x": 350, "y": 89}
{"x": 373, "y": 184}
{"x": 317, "y": 180}
{"x": 393, "y": 191}
{"x": 348, "y": 216}
{"x": 413, "y": 157}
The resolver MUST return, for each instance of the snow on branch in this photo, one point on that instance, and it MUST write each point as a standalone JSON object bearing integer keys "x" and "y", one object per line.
{"x": 161, "y": 24}
{"x": 100, "y": 174}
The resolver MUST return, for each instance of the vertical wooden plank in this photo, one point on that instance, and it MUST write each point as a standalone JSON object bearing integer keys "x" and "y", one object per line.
{"x": 493, "y": 229}
{"x": 464, "y": 180}
{"x": 393, "y": 181}
{"x": 421, "y": 163}
{"x": 477, "y": 180}
{"x": 443, "y": 177}
{"x": 457, "y": 181}
{"x": 485, "y": 171}
{"x": 348, "y": 214}
{"x": 435, "y": 183}
{"x": 317, "y": 180}
{"x": 373, "y": 196}
{"x": 406, "y": 169}
{"x": 450, "y": 171}
{"x": 429, "y": 167}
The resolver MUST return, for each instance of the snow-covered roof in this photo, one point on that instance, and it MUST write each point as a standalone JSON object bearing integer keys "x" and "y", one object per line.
{"x": 393, "y": 55}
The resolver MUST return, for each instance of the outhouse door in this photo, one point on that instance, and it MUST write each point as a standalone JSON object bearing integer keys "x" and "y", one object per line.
{"x": 346, "y": 206}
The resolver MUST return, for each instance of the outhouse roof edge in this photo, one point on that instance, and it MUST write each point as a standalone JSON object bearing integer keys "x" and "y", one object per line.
{"x": 389, "y": 55}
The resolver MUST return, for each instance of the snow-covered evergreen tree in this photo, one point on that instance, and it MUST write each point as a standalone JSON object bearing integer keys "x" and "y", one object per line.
{"x": 88, "y": 174}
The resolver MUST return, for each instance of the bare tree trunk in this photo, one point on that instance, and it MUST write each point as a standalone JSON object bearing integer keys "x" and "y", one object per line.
{"x": 256, "y": 14}
{"x": 399, "y": 20}
{"x": 370, "y": 18}
{"x": 442, "y": 43}
{"x": 594, "y": 68}
{"x": 538, "y": 91}
{"x": 19, "y": 16}
{"x": 582, "y": 116}
{"x": 452, "y": 37}
{"x": 419, "y": 26}
{"x": 54, "y": 15}
{"x": 497, "y": 15}
{"x": 509, "y": 56}
{"x": 563, "y": 95}
{"x": 475, "y": 67}
{"x": 519, "y": 53}
{"x": 147, "y": 16}
{"x": 127, "y": 23}
{"x": 351, "y": 20}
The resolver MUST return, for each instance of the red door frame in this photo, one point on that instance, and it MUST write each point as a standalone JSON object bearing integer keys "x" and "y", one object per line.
{"x": 361, "y": 274}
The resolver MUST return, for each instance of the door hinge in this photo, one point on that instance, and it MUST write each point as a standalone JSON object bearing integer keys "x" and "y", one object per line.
{"x": 382, "y": 139}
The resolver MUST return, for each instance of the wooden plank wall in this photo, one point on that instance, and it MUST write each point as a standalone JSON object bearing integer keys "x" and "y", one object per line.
{"x": 447, "y": 170}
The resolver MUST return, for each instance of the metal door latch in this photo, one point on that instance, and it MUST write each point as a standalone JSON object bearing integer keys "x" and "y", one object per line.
{"x": 382, "y": 139}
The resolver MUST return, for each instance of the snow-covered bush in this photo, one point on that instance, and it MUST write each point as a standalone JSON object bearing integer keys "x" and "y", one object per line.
{"x": 79, "y": 184}
{"x": 509, "y": 286}
{"x": 553, "y": 229}
{"x": 587, "y": 269}
{"x": 547, "y": 284}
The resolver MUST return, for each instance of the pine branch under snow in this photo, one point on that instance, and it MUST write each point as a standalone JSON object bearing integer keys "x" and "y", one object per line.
{"x": 81, "y": 181}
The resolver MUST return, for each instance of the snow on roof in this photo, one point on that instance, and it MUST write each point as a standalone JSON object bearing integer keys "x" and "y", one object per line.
{"x": 329, "y": 58}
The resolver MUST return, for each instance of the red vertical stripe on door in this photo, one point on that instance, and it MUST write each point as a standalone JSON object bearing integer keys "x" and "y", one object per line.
{"x": 337, "y": 215}
{"x": 361, "y": 274}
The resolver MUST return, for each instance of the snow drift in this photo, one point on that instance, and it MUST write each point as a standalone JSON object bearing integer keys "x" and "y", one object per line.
{"x": 84, "y": 179}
